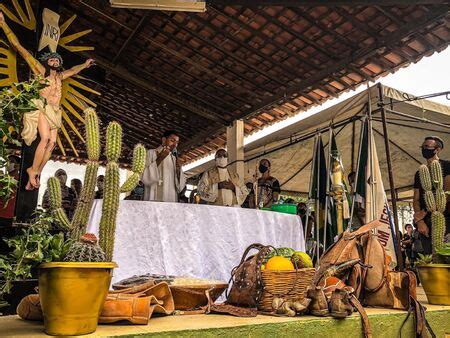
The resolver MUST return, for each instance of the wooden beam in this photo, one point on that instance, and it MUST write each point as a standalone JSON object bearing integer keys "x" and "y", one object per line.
{"x": 130, "y": 37}
{"x": 172, "y": 52}
{"x": 362, "y": 54}
{"x": 332, "y": 3}
{"x": 132, "y": 78}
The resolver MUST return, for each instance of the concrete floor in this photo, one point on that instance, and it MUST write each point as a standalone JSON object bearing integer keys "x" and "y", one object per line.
{"x": 385, "y": 323}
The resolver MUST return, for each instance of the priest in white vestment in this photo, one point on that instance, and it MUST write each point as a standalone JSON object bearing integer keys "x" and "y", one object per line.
{"x": 219, "y": 186}
{"x": 163, "y": 178}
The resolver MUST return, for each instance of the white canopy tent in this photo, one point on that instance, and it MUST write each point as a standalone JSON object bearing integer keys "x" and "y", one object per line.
{"x": 408, "y": 121}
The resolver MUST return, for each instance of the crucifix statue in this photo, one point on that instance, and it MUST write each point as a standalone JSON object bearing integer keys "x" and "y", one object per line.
{"x": 46, "y": 120}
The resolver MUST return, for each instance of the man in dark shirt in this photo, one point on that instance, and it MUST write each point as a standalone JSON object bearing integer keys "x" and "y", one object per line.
{"x": 100, "y": 184}
{"x": 431, "y": 147}
{"x": 268, "y": 186}
{"x": 407, "y": 242}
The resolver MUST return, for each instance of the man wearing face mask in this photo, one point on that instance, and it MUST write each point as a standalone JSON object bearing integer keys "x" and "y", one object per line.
{"x": 163, "y": 177}
{"x": 431, "y": 148}
{"x": 268, "y": 186}
{"x": 219, "y": 186}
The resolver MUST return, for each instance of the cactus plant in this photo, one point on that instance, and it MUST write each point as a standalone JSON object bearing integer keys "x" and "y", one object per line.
{"x": 430, "y": 201}
{"x": 435, "y": 203}
{"x": 85, "y": 250}
{"x": 425, "y": 177}
{"x": 54, "y": 188}
{"x": 436, "y": 174}
{"x": 112, "y": 188}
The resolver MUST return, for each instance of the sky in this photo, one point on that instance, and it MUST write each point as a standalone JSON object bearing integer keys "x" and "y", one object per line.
{"x": 429, "y": 75}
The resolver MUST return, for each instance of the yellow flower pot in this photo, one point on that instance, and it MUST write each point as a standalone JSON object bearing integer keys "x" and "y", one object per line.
{"x": 435, "y": 279}
{"x": 72, "y": 295}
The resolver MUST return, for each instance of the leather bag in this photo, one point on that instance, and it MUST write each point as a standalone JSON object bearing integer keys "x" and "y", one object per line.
{"x": 246, "y": 281}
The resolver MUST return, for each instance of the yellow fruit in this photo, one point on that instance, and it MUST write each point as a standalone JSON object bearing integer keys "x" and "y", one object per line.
{"x": 305, "y": 259}
{"x": 279, "y": 263}
{"x": 263, "y": 267}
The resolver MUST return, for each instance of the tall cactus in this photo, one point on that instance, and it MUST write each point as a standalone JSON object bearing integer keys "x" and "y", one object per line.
{"x": 435, "y": 202}
{"x": 54, "y": 188}
{"x": 84, "y": 205}
{"x": 112, "y": 187}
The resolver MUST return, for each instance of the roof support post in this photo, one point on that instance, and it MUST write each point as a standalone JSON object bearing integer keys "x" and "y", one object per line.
{"x": 235, "y": 148}
{"x": 391, "y": 176}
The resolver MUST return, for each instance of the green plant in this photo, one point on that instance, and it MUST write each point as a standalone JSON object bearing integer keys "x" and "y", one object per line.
{"x": 8, "y": 185}
{"x": 35, "y": 245}
{"x": 85, "y": 250}
{"x": 112, "y": 188}
{"x": 14, "y": 102}
{"x": 424, "y": 260}
{"x": 435, "y": 202}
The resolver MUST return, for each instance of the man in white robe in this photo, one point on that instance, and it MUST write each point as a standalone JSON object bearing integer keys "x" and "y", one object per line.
{"x": 219, "y": 186}
{"x": 163, "y": 178}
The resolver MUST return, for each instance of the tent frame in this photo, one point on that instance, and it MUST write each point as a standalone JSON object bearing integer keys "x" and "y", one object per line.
{"x": 382, "y": 108}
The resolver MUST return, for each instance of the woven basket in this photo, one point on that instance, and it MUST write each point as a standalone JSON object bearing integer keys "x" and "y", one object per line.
{"x": 290, "y": 285}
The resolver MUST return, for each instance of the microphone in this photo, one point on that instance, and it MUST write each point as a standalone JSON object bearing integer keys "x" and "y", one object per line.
{"x": 175, "y": 152}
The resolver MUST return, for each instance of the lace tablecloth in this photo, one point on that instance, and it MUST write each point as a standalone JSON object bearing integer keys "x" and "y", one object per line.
{"x": 192, "y": 240}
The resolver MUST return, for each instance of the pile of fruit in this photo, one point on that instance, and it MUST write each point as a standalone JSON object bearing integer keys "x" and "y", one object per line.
{"x": 283, "y": 259}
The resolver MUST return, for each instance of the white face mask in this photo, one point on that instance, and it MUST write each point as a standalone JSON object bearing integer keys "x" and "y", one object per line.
{"x": 221, "y": 162}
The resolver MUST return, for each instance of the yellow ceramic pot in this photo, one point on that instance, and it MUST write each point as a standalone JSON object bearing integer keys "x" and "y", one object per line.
{"x": 72, "y": 295}
{"x": 435, "y": 279}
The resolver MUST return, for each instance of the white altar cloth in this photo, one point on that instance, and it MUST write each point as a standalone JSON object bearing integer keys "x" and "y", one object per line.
{"x": 192, "y": 240}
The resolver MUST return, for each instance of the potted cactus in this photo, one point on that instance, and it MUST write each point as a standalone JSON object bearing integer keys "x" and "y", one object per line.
{"x": 433, "y": 271}
{"x": 72, "y": 292}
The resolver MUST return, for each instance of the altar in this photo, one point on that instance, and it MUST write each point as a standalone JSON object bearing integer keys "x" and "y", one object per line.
{"x": 192, "y": 240}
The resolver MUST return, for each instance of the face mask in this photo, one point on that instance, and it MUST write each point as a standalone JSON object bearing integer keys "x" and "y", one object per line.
{"x": 428, "y": 153}
{"x": 262, "y": 169}
{"x": 221, "y": 162}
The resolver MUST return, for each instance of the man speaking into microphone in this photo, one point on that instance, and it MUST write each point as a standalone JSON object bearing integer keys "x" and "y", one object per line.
{"x": 163, "y": 178}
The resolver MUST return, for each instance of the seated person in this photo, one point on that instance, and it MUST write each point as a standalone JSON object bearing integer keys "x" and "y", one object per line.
{"x": 219, "y": 186}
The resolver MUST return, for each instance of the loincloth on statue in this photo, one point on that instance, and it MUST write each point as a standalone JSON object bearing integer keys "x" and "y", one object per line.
{"x": 30, "y": 119}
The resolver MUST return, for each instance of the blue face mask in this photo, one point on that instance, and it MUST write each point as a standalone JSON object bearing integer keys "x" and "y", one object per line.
{"x": 139, "y": 191}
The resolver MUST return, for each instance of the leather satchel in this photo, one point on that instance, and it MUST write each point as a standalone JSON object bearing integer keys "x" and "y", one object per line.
{"x": 246, "y": 289}
{"x": 384, "y": 288}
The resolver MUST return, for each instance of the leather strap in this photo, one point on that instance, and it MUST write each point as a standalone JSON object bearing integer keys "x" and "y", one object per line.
{"x": 366, "y": 228}
{"x": 365, "y": 320}
{"x": 418, "y": 310}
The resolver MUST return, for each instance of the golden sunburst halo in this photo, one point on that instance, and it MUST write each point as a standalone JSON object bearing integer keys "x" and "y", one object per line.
{"x": 27, "y": 20}
{"x": 65, "y": 40}
{"x": 8, "y": 65}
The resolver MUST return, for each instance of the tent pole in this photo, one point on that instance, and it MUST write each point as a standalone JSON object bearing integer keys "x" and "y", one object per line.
{"x": 414, "y": 117}
{"x": 308, "y": 207}
{"x": 327, "y": 192}
{"x": 355, "y": 183}
{"x": 353, "y": 145}
{"x": 391, "y": 176}
{"x": 317, "y": 214}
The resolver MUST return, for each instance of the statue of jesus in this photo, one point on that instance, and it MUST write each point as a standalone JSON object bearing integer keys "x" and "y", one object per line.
{"x": 46, "y": 120}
